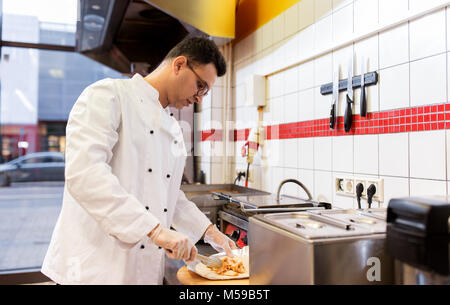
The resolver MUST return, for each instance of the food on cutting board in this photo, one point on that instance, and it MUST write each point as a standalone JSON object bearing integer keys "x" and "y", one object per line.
{"x": 236, "y": 267}
{"x": 231, "y": 266}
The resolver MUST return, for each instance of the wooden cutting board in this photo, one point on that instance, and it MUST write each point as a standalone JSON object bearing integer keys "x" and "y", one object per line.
{"x": 187, "y": 277}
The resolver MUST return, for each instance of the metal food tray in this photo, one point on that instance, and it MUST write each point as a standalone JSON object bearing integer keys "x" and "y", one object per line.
{"x": 270, "y": 204}
{"x": 361, "y": 218}
{"x": 312, "y": 225}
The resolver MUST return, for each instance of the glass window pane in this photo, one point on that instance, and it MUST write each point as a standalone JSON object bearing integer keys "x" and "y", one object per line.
{"x": 38, "y": 90}
{"x": 43, "y": 21}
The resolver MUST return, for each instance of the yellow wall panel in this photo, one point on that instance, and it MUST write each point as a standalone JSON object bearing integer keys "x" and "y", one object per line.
{"x": 252, "y": 14}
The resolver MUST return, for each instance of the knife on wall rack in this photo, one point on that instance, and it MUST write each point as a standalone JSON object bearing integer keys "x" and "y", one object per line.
{"x": 348, "y": 115}
{"x": 334, "y": 101}
{"x": 362, "y": 101}
{"x": 370, "y": 79}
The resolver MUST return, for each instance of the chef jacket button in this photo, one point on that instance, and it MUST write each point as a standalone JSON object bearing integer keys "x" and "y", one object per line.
{"x": 146, "y": 208}
{"x": 159, "y": 247}
{"x": 175, "y": 141}
{"x": 151, "y": 131}
{"x": 142, "y": 246}
{"x": 165, "y": 210}
{"x": 171, "y": 114}
{"x": 149, "y": 170}
{"x": 168, "y": 176}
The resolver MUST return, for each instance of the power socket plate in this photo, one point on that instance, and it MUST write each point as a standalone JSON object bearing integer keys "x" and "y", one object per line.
{"x": 346, "y": 186}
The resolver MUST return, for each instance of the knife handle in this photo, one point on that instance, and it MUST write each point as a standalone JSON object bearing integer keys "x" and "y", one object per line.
{"x": 363, "y": 104}
{"x": 348, "y": 115}
{"x": 332, "y": 116}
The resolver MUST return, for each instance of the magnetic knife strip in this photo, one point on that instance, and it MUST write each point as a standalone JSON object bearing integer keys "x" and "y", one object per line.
{"x": 370, "y": 79}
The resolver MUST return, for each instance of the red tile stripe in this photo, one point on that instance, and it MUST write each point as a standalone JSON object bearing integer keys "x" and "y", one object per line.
{"x": 422, "y": 118}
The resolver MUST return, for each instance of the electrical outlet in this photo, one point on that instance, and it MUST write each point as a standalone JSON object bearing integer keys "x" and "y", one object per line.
{"x": 346, "y": 186}
{"x": 251, "y": 174}
{"x": 379, "y": 185}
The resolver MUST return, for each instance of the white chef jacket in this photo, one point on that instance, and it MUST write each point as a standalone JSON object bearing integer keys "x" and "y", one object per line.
{"x": 125, "y": 157}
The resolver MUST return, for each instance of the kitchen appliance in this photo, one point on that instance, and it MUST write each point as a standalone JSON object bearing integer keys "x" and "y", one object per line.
{"x": 202, "y": 196}
{"x": 319, "y": 247}
{"x": 233, "y": 218}
{"x": 418, "y": 237}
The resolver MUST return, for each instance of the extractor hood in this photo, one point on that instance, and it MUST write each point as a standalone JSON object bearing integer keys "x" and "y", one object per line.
{"x": 135, "y": 35}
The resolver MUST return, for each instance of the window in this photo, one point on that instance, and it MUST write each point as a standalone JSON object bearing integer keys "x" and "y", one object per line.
{"x": 38, "y": 89}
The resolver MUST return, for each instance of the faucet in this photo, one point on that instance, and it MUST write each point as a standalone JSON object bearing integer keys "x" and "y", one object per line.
{"x": 296, "y": 182}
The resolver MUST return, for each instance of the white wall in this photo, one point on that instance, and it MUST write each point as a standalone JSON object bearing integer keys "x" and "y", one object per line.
{"x": 412, "y": 62}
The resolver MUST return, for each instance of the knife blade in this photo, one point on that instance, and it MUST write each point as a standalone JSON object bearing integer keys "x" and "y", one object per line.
{"x": 363, "y": 102}
{"x": 334, "y": 101}
{"x": 348, "y": 111}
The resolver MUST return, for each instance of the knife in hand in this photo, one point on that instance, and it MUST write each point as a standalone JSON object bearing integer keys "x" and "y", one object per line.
{"x": 333, "y": 112}
{"x": 363, "y": 102}
{"x": 348, "y": 111}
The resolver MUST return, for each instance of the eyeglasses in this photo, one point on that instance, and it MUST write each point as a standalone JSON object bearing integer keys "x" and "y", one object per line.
{"x": 202, "y": 86}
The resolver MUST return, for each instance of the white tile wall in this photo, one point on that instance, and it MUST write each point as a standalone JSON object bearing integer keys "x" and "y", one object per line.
{"x": 343, "y": 154}
{"x": 427, "y": 154}
{"x": 306, "y": 153}
{"x": 422, "y": 187}
{"x": 322, "y": 105}
{"x": 307, "y": 178}
{"x": 390, "y": 10}
{"x": 413, "y": 68}
{"x": 322, "y": 153}
{"x": 427, "y": 84}
{"x": 323, "y": 70}
{"x": 366, "y": 154}
{"x": 291, "y": 80}
{"x": 395, "y": 187}
{"x": 306, "y": 105}
{"x": 420, "y": 4}
{"x": 394, "y": 154}
{"x": 306, "y": 75}
{"x": 394, "y": 48}
{"x": 323, "y": 186}
{"x": 290, "y": 156}
{"x": 291, "y": 108}
{"x": 323, "y": 36}
{"x": 394, "y": 87}
{"x": 306, "y": 41}
{"x": 428, "y": 35}
{"x": 366, "y": 15}
{"x": 343, "y": 24}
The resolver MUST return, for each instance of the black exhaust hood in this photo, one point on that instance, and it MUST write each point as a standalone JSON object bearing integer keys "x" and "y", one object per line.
{"x": 134, "y": 35}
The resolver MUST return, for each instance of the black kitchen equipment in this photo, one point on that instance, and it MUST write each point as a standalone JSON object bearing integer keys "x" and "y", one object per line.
{"x": 362, "y": 102}
{"x": 348, "y": 115}
{"x": 418, "y": 237}
{"x": 334, "y": 101}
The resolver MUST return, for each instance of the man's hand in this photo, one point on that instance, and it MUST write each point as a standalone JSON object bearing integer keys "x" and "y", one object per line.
{"x": 219, "y": 241}
{"x": 177, "y": 245}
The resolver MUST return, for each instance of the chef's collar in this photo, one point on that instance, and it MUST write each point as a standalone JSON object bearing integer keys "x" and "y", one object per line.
{"x": 147, "y": 91}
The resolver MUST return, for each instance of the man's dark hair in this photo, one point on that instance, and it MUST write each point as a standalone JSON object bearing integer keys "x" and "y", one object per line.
{"x": 199, "y": 50}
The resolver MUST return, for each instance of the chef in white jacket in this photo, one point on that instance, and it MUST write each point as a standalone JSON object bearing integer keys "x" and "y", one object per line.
{"x": 125, "y": 158}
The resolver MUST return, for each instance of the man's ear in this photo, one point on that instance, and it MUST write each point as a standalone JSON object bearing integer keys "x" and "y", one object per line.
{"x": 178, "y": 63}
